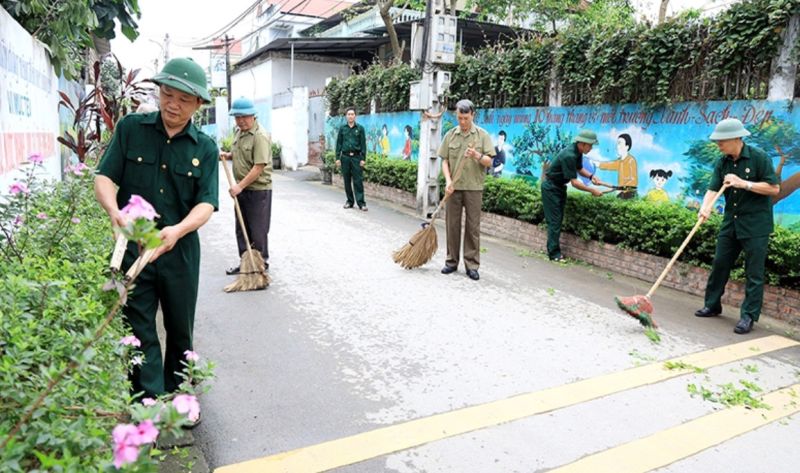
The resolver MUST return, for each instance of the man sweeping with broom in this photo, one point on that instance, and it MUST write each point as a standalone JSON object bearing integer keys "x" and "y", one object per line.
{"x": 747, "y": 223}
{"x": 468, "y": 149}
{"x": 252, "y": 167}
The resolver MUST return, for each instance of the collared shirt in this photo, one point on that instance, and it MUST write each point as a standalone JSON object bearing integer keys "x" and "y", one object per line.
{"x": 351, "y": 140}
{"x": 565, "y": 166}
{"x": 173, "y": 174}
{"x": 454, "y": 146}
{"x": 252, "y": 147}
{"x": 747, "y": 213}
{"x": 626, "y": 170}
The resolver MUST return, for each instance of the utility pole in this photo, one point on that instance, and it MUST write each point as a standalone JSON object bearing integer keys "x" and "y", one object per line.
{"x": 438, "y": 47}
{"x": 228, "y": 42}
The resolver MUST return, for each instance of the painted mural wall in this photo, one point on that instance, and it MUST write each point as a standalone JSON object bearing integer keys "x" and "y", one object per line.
{"x": 658, "y": 154}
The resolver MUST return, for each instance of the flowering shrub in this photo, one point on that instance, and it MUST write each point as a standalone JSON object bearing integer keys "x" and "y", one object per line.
{"x": 65, "y": 353}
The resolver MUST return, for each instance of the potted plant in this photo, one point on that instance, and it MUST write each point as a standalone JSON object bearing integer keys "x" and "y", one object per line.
{"x": 328, "y": 167}
{"x": 276, "y": 155}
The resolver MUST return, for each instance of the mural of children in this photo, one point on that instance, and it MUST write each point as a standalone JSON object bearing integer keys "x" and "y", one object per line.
{"x": 407, "y": 148}
{"x": 385, "y": 146}
{"x": 499, "y": 160}
{"x": 625, "y": 167}
{"x": 657, "y": 193}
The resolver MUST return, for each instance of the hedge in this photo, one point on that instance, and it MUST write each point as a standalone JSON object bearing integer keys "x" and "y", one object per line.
{"x": 656, "y": 229}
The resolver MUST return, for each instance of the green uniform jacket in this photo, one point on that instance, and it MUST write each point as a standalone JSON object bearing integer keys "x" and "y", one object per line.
{"x": 249, "y": 148}
{"x": 565, "y": 166}
{"x": 351, "y": 140}
{"x": 454, "y": 145}
{"x": 173, "y": 174}
{"x": 747, "y": 213}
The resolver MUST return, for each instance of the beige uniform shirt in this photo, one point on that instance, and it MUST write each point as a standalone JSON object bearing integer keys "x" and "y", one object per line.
{"x": 250, "y": 148}
{"x": 454, "y": 145}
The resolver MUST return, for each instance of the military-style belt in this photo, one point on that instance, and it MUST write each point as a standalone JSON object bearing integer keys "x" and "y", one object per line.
{"x": 354, "y": 153}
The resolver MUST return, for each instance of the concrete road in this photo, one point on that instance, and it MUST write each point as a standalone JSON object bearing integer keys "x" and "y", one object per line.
{"x": 345, "y": 342}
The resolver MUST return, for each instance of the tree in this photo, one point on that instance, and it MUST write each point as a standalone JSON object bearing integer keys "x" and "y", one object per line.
{"x": 544, "y": 14}
{"x": 662, "y": 11}
{"x": 535, "y": 147}
{"x": 67, "y": 27}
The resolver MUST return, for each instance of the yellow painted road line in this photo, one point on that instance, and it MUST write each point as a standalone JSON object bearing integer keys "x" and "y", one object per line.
{"x": 685, "y": 440}
{"x": 386, "y": 440}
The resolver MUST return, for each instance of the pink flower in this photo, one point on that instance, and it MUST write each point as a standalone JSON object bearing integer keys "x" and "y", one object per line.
{"x": 18, "y": 187}
{"x": 187, "y": 404}
{"x": 77, "y": 169}
{"x": 148, "y": 402}
{"x": 138, "y": 208}
{"x": 191, "y": 356}
{"x": 126, "y": 446}
{"x": 147, "y": 432}
{"x": 36, "y": 158}
{"x": 75, "y": 220}
{"x": 41, "y": 216}
{"x": 130, "y": 341}
{"x": 19, "y": 220}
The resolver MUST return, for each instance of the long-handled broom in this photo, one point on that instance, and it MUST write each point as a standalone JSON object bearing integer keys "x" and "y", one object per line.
{"x": 252, "y": 271}
{"x": 640, "y": 306}
{"x": 423, "y": 245}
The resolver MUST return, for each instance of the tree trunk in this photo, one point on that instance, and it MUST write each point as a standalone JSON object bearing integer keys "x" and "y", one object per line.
{"x": 453, "y": 8}
{"x": 662, "y": 11}
{"x": 397, "y": 50}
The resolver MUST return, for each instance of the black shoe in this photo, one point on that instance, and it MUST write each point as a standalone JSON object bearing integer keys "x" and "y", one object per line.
{"x": 558, "y": 259}
{"x": 266, "y": 265}
{"x": 348, "y": 205}
{"x": 448, "y": 269}
{"x": 232, "y": 270}
{"x": 745, "y": 325}
{"x": 363, "y": 208}
{"x": 706, "y": 312}
{"x": 473, "y": 274}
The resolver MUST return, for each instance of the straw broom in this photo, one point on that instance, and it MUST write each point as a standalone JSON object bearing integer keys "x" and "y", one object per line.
{"x": 252, "y": 271}
{"x": 640, "y": 306}
{"x": 423, "y": 245}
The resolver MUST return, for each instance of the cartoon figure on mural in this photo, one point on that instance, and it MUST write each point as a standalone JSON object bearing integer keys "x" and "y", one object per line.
{"x": 657, "y": 194}
{"x": 789, "y": 185}
{"x": 385, "y": 146}
{"x": 625, "y": 166}
{"x": 409, "y": 132}
{"x": 499, "y": 160}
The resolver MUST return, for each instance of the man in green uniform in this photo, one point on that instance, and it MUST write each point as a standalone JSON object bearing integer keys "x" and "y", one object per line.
{"x": 747, "y": 222}
{"x": 565, "y": 169}
{"x": 351, "y": 154}
{"x": 252, "y": 168}
{"x": 164, "y": 158}
{"x": 473, "y": 144}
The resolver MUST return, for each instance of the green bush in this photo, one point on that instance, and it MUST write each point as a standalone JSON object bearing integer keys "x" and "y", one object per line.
{"x": 634, "y": 224}
{"x": 53, "y": 266}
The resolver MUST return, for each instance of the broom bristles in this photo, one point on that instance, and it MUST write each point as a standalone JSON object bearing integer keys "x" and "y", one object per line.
{"x": 639, "y": 307}
{"x": 252, "y": 273}
{"x": 419, "y": 250}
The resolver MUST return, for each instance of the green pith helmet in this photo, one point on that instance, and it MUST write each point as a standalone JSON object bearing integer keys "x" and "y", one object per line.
{"x": 185, "y": 75}
{"x": 586, "y": 136}
{"x": 728, "y": 129}
{"x": 243, "y": 107}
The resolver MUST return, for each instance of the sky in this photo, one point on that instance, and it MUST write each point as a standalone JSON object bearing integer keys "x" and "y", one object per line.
{"x": 186, "y": 21}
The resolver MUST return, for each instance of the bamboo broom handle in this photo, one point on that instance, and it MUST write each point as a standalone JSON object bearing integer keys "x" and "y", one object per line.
{"x": 459, "y": 168}
{"x": 239, "y": 214}
{"x": 683, "y": 245}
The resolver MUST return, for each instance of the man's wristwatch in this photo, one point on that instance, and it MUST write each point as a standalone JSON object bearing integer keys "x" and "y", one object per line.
{"x": 749, "y": 186}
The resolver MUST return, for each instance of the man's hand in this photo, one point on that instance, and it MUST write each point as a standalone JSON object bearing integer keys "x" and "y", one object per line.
{"x": 733, "y": 180}
{"x": 703, "y": 214}
{"x": 362, "y": 163}
{"x": 449, "y": 189}
{"x": 235, "y": 190}
{"x": 473, "y": 153}
{"x": 595, "y": 180}
{"x": 596, "y": 192}
{"x": 169, "y": 237}
{"x": 223, "y": 155}
{"x": 338, "y": 163}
